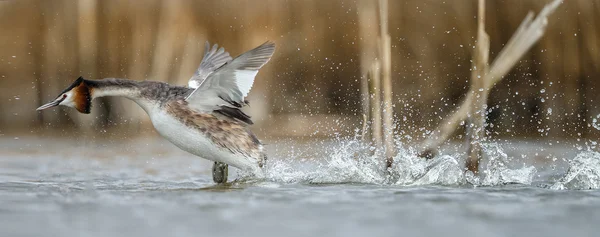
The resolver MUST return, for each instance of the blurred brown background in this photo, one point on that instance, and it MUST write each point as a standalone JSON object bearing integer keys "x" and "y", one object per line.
{"x": 312, "y": 85}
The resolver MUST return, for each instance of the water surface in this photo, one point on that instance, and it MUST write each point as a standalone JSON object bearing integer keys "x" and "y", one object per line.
{"x": 149, "y": 188}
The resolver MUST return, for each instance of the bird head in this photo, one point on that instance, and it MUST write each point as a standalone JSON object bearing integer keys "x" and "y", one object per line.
{"x": 78, "y": 95}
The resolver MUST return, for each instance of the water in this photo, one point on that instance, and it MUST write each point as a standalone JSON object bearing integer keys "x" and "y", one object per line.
{"x": 336, "y": 187}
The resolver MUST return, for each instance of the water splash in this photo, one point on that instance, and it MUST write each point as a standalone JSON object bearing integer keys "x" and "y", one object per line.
{"x": 352, "y": 161}
{"x": 584, "y": 169}
{"x": 595, "y": 122}
{"x": 348, "y": 162}
{"x": 498, "y": 172}
{"x": 583, "y": 172}
{"x": 443, "y": 170}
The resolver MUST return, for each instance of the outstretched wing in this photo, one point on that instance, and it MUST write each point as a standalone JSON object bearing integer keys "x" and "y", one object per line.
{"x": 213, "y": 59}
{"x": 224, "y": 89}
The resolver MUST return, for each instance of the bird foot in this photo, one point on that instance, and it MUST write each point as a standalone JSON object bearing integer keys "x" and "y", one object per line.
{"x": 220, "y": 172}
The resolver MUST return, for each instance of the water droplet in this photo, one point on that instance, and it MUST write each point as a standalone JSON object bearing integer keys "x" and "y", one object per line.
{"x": 595, "y": 123}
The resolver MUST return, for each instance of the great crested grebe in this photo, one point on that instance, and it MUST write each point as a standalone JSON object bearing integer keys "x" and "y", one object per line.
{"x": 204, "y": 118}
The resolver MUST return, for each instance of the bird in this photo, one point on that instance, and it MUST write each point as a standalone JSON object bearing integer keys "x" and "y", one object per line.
{"x": 203, "y": 118}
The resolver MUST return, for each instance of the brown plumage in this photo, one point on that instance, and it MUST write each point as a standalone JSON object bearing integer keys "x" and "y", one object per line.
{"x": 83, "y": 98}
{"x": 225, "y": 132}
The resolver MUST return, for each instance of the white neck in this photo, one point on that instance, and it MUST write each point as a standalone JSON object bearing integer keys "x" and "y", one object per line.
{"x": 111, "y": 87}
{"x": 129, "y": 93}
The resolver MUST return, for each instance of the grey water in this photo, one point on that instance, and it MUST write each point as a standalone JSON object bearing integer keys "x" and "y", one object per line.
{"x": 147, "y": 187}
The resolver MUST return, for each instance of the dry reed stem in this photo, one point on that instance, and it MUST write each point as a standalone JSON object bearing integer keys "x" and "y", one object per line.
{"x": 386, "y": 57}
{"x": 368, "y": 31}
{"x": 375, "y": 104}
{"x": 476, "y": 126}
{"x": 364, "y": 132}
{"x": 528, "y": 33}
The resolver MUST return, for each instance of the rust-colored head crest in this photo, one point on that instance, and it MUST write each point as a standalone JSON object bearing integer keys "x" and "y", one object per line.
{"x": 78, "y": 95}
{"x": 82, "y": 95}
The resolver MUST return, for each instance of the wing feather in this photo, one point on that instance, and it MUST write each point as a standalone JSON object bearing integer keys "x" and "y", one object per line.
{"x": 229, "y": 84}
{"x": 213, "y": 59}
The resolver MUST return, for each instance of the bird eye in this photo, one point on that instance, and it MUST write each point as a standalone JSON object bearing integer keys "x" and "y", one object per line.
{"x": 62, "y": 98}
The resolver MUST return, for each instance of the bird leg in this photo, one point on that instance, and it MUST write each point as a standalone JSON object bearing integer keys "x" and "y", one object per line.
{"x": 219, "y": 172}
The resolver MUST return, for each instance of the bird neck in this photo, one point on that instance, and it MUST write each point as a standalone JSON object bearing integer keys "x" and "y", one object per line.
{"x": 114, "y": 87}
{"x": 120, "y": 88}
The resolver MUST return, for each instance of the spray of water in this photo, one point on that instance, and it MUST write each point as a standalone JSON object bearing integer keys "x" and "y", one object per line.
{"x": 497, "y": 170}
{"x": 584, "y": 169}
{"x": 351, "y": 161}
{"x": 583, "y": 172}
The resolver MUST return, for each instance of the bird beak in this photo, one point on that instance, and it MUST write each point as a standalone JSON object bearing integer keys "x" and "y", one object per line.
{"x": 49, "y": 105}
